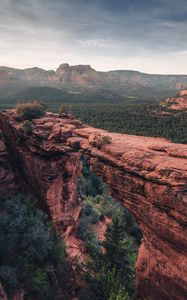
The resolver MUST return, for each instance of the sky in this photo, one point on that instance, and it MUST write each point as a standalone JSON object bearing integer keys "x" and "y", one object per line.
{"x": 145, "y": 35}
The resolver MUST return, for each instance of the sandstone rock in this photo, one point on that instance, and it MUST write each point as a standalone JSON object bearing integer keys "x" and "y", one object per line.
{"x": 183, "y": 93}
{"x": 3, "y": 295}
{"x": 99, "y": 140}
{"x": 55, "y": 132}
{"x": 178, "y": 103}
{"x": 7, "y": 178}
{"x": 147, "y": 175}
{"x": 19, "y": 295}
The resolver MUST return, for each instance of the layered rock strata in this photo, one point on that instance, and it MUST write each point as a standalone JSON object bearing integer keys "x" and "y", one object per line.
{"x": 147, "y": 175}
{"x": 7, "y": 178}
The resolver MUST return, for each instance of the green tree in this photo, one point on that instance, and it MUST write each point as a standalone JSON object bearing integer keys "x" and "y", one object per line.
{"x": 32, "y": 256}
{"x": 64, "y": 110}
{"x": 27, "y": 127}
{"x": 121, "y": 295}
{"x": 120, "y": 252}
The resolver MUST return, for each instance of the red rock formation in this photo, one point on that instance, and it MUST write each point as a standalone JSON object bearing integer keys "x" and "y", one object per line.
{"x": 7, "y": 179}
{"x": 45, "y": 167}
{"x": 17, "y": 296}
{"x": 148, "y": 175}
{"x": 177, "y": 103}
{"x": 3, "y": 295}
{"x": 183, "y": 93}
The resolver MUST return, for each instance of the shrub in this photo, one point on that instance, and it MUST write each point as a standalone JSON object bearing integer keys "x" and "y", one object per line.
{"x": 89, "y": 184}
{"x": 64, "y": 110}
{"x": 121, "y": 295}
{"x": 29, "y": 110}
{"x": 83, "y": 229}
{"x": 105, "y": 283}
{"x": 92, "y": 246}
{"x": 27, "y": 127}
{"x": 90, "y": 210}
{"x": 98, "y": 140}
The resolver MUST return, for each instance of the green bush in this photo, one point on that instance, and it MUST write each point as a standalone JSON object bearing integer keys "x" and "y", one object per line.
{"x": 106, "y": 285}
{"x": 83, "y": 229}
{"x": 121, "y": 295}
{"x": 100, "y": 140}
{"x": 64, "y": 110}
{"x": 93, "y": 247}
{"x": 32, "y": 256}
{"x": 27, "y": 127}
{"x": 90, "y": 211}
{"x": 29, "y": 110}
{"x": 89, "y": 184}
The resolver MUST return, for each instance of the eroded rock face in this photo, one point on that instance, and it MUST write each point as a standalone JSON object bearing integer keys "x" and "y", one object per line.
{"x": 148, "y": 176}
{"x": 7, "y": 178}
{"x": 3, "y": 295}
{"x": 178, "y": 103}
{"x": 45, "y": 166}
{"x": 19, "y": 295}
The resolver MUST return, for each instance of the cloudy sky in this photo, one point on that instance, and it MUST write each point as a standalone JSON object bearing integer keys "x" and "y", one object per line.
{"x": 144, "y": 35}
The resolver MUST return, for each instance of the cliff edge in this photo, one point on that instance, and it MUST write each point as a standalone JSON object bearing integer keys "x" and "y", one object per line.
{"x": 147, "y": 175}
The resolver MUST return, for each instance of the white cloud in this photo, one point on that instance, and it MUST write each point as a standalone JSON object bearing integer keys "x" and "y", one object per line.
{"x": 46, "y": 33}
{"x": 96, "y": 43}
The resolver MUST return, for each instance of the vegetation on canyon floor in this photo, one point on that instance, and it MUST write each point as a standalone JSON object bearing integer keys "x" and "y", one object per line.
{"x": 111, "y": 269}
{"x": 33, "y": 256}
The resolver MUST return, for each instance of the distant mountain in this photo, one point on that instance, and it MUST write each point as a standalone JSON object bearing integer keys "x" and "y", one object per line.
{"x": 84, "y": 77}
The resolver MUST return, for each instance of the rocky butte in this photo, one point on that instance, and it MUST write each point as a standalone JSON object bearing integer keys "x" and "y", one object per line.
{"x": 147, "y": 175}
{"x": 177, "y": 103}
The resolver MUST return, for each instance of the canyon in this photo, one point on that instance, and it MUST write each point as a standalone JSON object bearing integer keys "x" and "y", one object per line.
{"x": 147, "y": 175}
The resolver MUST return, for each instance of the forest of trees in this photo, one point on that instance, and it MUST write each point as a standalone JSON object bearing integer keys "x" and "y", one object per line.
{"x": 131, "y": 115}
{"x": 32, "y": 256}
{"x": 139, "y": 118}
{"x": 110, "y": 273}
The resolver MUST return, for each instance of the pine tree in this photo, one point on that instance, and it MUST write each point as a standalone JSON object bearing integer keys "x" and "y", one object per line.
{"x": 120, "y": 252}
{"x": 114, "y": 235}
{"x": 121, "y": 295}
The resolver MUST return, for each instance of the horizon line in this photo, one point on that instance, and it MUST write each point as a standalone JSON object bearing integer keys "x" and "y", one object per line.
{"x": 101, "y": 71}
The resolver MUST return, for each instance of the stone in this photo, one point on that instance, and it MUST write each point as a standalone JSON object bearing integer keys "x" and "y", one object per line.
{"x": 147, "y": 175}
{"x": 19, "y": 295}
{"x": 3, "y": 295}
{"x": 7, "y": 178}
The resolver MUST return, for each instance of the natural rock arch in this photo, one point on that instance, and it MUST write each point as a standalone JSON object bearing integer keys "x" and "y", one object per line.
{"x": 148, "y": 175}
